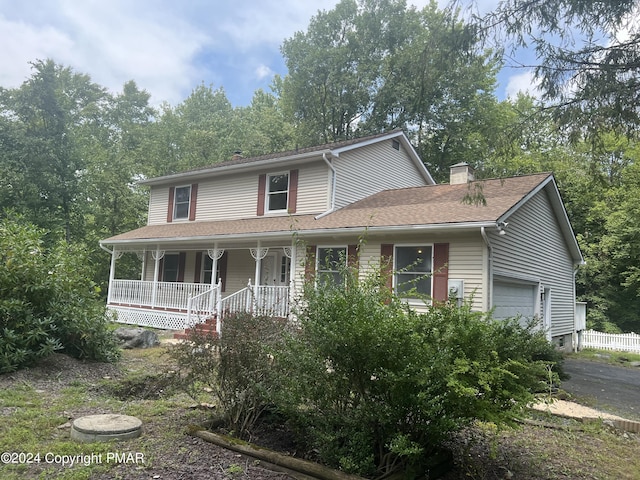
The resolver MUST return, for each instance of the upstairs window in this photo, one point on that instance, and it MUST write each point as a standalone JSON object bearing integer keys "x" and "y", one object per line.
{"x": 277, "y": 192}
{"x": 181, "y": 203}
{"x": 413, "y": 267}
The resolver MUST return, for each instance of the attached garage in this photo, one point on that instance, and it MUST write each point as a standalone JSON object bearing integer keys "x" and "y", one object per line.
{"x": 511, "y": 299}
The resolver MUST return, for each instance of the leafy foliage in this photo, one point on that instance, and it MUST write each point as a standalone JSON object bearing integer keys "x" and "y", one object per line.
{"x": 587, "y": 57}
{"x": 47, "y": 301}
{"x": 374, "y": 386}
{"x": 370, "y": 66}
{"x": 236, "y": 367}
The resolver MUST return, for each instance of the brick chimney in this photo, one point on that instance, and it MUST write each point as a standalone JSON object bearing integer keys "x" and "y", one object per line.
{"x": 460, "y": 173}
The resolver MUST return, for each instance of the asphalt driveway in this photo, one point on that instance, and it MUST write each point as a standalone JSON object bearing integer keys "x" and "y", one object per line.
{"x": 609, "y": 388}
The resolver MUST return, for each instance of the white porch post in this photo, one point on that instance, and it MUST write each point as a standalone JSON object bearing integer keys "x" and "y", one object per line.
{"x": 112, "y": 274}
{"x": 157, "y": 256}
{"x": 218, "y": 308}
{"x": 215, "y": 254}
{"x": 293, "y": 261}
{"x": 258, "y": 254}
{"x": 143, "y": 258}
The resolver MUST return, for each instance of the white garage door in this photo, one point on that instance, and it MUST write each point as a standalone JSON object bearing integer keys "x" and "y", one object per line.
{"x": 513, "y": 299}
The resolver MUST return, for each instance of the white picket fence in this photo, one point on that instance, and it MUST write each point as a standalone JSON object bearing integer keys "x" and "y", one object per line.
{"x": 624, "y": 342}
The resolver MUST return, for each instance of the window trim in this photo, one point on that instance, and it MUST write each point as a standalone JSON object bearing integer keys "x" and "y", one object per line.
{"x": 176, "y": 203}
{"x": 268, "y": 193}
{"x": 395, "y": 268}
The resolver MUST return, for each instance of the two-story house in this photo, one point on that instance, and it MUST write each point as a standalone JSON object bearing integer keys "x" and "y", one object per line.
{"x": 245, "y": 233}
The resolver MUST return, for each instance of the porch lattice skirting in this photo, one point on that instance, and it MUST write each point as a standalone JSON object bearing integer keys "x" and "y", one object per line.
{"x": 165, "y": 320}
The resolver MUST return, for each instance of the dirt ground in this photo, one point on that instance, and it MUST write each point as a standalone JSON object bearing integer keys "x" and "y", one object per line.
{"x": 532, "y": 452}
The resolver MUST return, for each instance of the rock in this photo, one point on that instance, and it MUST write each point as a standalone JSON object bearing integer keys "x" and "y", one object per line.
{"x": 136, "y": 337}
{"x": 634, "y": 364}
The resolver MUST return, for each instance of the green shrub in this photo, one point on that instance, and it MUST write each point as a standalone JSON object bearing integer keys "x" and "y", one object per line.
{"x": 47, "y": 300}
{"x": 235, "y": 367}
{"x": 374, "y": 386}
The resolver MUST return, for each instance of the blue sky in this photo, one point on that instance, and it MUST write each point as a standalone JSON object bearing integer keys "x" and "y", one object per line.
{"x": 168, "y": 47}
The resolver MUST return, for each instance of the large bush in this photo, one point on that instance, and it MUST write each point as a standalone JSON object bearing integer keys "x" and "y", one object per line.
{"x": 374, "y": 386}
{"x": 47, "y": 300}
{"x": 367, "y": 384}
{"x": 235, "y": 368}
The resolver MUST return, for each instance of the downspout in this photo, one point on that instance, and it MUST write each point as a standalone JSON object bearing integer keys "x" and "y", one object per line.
{"x": 490, "y": 286}
{"x": 334, "y": 178}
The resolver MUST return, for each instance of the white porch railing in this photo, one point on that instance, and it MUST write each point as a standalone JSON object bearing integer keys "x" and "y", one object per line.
{"x": 179, "y": 305}
{"x": 204, "y": 305}
{"x": 174, "y": 295}
{"x": 261, "y": 299}
{"x": 624, "y": 342}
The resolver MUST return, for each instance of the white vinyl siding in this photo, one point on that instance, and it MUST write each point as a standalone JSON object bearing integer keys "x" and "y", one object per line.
{"x": 232, "y": 197}
{"x": 466, "y": 260}
{"x": 158, "y": 205}
{"x": 534, "y": 248}
{"x": 228, "y": 197}
{"x": 241, "y": 267}
{"x": 365, "y": 171}
{"x": 313, "y": 188}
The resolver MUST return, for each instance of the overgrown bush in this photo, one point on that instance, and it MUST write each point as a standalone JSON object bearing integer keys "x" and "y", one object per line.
{"x": 47, "y": 301}
{"x": 236, "y": 368}
{"x": 374, "y": 386}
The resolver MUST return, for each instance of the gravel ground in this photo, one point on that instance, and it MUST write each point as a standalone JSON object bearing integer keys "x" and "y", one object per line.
{"x": 574, "y": 410}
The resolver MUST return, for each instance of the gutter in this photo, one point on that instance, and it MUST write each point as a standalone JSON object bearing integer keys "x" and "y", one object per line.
{"x": 105, "y": 248}
{"x": 310, "y": 232}
{"x": 334, "y": 178}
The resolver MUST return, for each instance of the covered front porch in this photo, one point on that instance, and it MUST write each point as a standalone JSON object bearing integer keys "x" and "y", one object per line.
{"x": 179, "y": 287}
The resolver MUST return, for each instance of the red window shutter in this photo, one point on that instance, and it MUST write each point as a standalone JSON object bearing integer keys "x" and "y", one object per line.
{"x": 310, "y": 263}
{"x": 222, "y": 268}
{"x": 182, "y": 257}
{"x": 352, "y": 257}
{"x": 172, "y": 192}
{"x": 441, "y": 272}
{"x": 386, "y": 263}
{"x": 193, "y": 201}
{"x": 196, "y": 275}
{"x": 293, "y": 191}
{"x": 262, "y": 187}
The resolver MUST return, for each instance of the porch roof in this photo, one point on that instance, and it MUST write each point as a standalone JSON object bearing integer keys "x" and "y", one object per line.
{"x": 441, "y": 206}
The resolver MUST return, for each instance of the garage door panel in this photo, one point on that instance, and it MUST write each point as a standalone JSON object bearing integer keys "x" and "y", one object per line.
{"x": 514, "y": 299}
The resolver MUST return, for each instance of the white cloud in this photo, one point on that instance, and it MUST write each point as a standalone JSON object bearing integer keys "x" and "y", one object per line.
{"x": 24, "y": 43}
{"x": 523, "y": 82}
{"x": 167, "y": 47}
{"x": 262, "y": 72}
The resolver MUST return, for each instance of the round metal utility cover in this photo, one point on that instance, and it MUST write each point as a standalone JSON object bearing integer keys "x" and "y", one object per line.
{"x": 104, "y": 427}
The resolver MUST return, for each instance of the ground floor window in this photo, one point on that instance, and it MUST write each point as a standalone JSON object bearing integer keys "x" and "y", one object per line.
{"x": 170, "y": 267}
{"x": 331, "y": 264}
{"x": 413, "y": 268}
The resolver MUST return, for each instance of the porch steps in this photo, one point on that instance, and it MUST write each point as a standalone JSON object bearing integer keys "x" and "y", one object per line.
{"x": 206, "y": 328}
